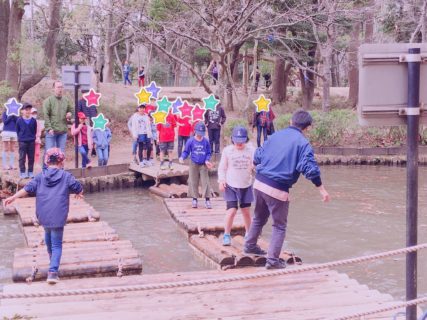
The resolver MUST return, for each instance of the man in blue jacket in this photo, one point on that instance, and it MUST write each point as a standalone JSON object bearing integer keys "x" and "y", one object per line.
{"x": 279, "y": 163}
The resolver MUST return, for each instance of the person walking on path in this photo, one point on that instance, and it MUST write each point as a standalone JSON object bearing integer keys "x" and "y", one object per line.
{"x": 84, "y": 138}
{"x": 141, "y": 77}
{"x": 257, "y": 76}
{"x": 57, "y": 110}
{"x": 279, "y": 164}
{"x": 26, "y": 129}
{"x": 215, "y": 73}
{"x": 235, "y": 178}
{"x": 52, "y": 189}
{"x": 126, "y": 73}
{"x": 199, "y": 149}
{"x": 9, "y": 137}
{"x": 38, "y": 142}
{"x": 214, "y": 120}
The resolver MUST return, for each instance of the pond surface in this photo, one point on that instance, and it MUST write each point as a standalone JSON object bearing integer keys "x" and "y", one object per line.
{"x": 366, "y": 216}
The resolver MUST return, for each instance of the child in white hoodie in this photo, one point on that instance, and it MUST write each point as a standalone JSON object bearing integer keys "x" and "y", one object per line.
{"x": 141, "y": 132}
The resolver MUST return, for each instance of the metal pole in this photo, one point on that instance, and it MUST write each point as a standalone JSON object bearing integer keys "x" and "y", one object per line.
{"x": 413, "y": 115}
{"x": 76, "y": 118}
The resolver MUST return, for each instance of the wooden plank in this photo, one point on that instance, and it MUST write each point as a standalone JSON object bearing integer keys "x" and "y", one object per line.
{"x": 154, "y": 172}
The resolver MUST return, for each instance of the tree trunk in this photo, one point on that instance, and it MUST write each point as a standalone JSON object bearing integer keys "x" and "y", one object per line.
{"x": 177, "y": 74}
{"x": 353, "y": 67}
{"x": 279, "y": 91}
{"x": 109, "y": 52}
{"x": 4, "y": 31}
{"x": 369, "y": 23}
{"x": 288, "y": 69}
{"x": 14, "y": 43}
{"x": 52, "y": 35}
{"x": 334, "y": 68}
{"x": 245, "y": 71}
{"x": 307, "y": 80}
{"x": 326, "y": 101}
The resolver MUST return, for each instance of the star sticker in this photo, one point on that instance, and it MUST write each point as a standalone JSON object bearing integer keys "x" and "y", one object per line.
{"x": 210, "y": 102}
{"x": 150, "y": 108}
{"x": 13, "y": 107}
{"x": 159, "y": 117}
{"x": 176, "y": 104}
{"x": 143, "y": 96}
{"x": 164, "y": 105}
{"x": 185, "y": 110}
{"x": 262, "y": 104}
{"x": 92, "y": 98}
{"x": 198, "y": 113}
{"x": 154, "y": 89}
{"x": 99, "y": 122}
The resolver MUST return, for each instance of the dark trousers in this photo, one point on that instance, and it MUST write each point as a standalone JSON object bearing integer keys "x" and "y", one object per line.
{"x": 260, "y": 130}
{"x": 144, "y": 146}
{"x": 182, "y": 140}
{"x": 264, "y": 206}
{"x": 214, "y": 137}
{"x": 26, "y": 149}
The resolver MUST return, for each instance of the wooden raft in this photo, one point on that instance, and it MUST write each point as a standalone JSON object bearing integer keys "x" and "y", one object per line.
{"x": 155, "y": 173}
{"x": 201, "y": 219}
{"x": 233, "y": 256}
{"x": 324, "y": 294}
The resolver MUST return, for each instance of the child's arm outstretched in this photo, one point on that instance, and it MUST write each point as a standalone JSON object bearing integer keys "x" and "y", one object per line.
{"x": 20, "y": 194}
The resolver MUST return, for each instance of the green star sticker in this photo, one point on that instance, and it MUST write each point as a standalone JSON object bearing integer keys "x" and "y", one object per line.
{"x": 99, "y": 122}
{"x": 164, "y": 105}
{"x": 211, "y": 102}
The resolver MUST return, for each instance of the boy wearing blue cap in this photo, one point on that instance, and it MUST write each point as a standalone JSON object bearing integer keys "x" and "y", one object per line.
{"x": 200, "y": 150}
{"x": 235, "y": 178}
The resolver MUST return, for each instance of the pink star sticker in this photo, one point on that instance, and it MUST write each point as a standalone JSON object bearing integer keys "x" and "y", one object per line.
{"x": 185, "y": 110}
{"x": 92, "y": 98}
{"x": 150, "y": 108}
{"x": 198, "y": 113}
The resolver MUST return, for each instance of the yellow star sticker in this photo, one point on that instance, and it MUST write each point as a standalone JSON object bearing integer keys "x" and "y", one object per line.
{"x": 143, "y": 96}
{"x": 262, "y": 104}
{"x": 159, "y": 117}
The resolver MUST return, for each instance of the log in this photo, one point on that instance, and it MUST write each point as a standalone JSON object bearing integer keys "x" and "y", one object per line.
{"x": 159, "y": 192}
{"x": 222, "y": 257}
{"x": 167, "y": 188}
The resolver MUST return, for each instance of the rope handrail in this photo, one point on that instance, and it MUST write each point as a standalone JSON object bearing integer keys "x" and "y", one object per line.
{"x": 222, "y": 279}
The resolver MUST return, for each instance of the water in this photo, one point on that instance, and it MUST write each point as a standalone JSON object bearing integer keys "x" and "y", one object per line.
{"x": 366, "y": 215}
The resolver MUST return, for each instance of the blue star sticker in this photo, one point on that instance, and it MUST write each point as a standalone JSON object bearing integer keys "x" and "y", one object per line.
{"x": 13, "y": 107}
{"x": 176, "y": 104}
{"x": 154, "y": 89}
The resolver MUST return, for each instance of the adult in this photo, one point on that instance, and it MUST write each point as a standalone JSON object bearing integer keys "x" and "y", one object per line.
{"x": 9, "y": 138}
{"x": 267, "y": 79}
{"x": 214, "y": 119}
{"x": 57, "y": 110}
{"x": 89, "y": 111}
{"x": 279, "y": 164}
{"x": 215, "y": 73}
{"x": 263, "y": 122}
{"x": 257, "y": 76}
{"x": 126, "y": 73}
{"x": 141, "y": 77}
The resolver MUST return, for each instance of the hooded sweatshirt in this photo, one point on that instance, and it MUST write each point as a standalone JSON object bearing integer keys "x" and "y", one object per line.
{"x": 52, "y": 189}
{"x": 102, "y": 138}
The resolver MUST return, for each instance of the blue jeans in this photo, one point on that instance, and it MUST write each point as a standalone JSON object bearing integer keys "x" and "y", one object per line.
{"x": 126, "y": 78}
{"x": 83, "y": 150}
{"x": 214, "y": 137}
{"x": 53, "y": 239}
{"x": 260, "y": 130}
{"x": 102, "y": 156}
{"x": 182, "y": 140}
{"x": 56, "y": 140}
{"x": 134, "y": 147}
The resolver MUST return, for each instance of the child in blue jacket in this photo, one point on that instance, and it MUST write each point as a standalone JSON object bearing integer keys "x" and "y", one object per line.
{"x": 26, "y": 129}
{"x": 102, "y": 139}
{"x": 52, "y": 189}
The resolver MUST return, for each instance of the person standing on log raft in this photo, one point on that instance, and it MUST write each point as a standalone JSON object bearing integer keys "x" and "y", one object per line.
{"x": 235, "y": 179}
{"x": 279, "y": 163}
{"x": 52, "y": 188}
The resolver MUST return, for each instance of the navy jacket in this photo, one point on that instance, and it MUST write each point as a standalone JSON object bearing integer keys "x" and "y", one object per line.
{"x": 89, "y": 112}
{"x": 9, "y": 122}
{"x": 283, "y": 157}
{"x": 52, "y": 189}
{"x": 200, "y": 150}
{"x": 26, "y": 132}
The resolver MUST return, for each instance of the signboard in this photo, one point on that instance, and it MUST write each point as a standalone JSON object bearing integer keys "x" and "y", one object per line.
{"x": 84, "y": 76}
{"x": 383, "y": 83}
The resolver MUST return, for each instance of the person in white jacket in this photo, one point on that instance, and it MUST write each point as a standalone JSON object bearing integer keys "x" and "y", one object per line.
{"x": 140, "y": 128}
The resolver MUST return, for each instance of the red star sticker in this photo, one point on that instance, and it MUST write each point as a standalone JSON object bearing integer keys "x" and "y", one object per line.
{"x": 150, "y": 108}
{"x": 198, "y": 113}
{"x": 92, "y": 98}
{"x": 186, "y": 110}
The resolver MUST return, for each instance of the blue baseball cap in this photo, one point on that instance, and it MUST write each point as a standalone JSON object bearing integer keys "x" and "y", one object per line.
{"x": 239, "y": 134}
{"x": 200, "y": 129}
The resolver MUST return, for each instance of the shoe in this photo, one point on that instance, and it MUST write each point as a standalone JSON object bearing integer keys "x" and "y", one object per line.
{"x": 149, "y": 163}
{"x": 163, "y": 166}
{"x": 89, "y": 165}
{"x": 170, "y": 166}
{"x": 257, "y": 251}
{"x": 226, "y": 239}
{"x": 23, "y": 175}
{"x": 52, "y": 277}
{"x": 208, "y": 204}
{"x": 194, "y": 203}
{"x": 135, "y": 160}
{"x": 281, "y": 264}
{"x": 30, "y": 175}
{"x": 142, "y": 164}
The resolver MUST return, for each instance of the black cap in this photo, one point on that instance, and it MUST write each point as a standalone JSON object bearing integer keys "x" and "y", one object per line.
{"x": 27, "y": 105}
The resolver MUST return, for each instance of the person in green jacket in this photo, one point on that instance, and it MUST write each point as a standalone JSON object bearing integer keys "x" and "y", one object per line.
{"x": 57, "y": 110}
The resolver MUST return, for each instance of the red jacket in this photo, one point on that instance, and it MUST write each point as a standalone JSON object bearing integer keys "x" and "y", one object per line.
{"x": 167, "y": 131}
{"x": 184, "y": 127}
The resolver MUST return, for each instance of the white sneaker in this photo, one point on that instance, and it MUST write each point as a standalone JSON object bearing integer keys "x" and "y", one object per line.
{"x": 149, "y": 163}
{"x": 142, "y": 164}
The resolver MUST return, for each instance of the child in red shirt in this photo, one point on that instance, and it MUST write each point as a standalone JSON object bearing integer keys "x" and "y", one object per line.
{"x": 166, "y": 134}
{"x": 184, "y": 131}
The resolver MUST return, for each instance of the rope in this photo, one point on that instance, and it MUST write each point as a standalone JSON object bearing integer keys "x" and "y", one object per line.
{"x": 385, "y": 309}
{"x": 179, "y": 284}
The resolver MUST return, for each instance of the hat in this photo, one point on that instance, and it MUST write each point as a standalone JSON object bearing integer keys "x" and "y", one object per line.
{"x": 33, "y": 110}
{"x": 81, "y": 115}
{"x": 27, "y": 105}
{"x": 54, "y": 156}
{"x": 200, "y": 128}
{"x": 239, "y": 135}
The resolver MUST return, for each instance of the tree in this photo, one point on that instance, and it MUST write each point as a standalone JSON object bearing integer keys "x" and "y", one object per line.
{"x": 4, "y": 31}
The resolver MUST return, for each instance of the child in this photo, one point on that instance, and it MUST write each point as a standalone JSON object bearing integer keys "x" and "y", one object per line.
{"x": 235, "y": 179}
{"x": 200, "y": 150}
{"x": 214, "y": 120}
{"x": 84, "y": 138}
{"x": 166, "y": 139}
{"x": 9, "y": 138}
{"x": 141, "y": 132}
{"x": 102, "y": 139}
{"x": 184, "y": 132}
{"x": 134, "y": 141}
{"x": 40, "y": 128}
{"x": 154, "y": 138}
{"x": 52, "y": 189}
{"x": 26, "y": 129}
{"x": 261, "y": 121}
{"x": 141, "y": 77}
